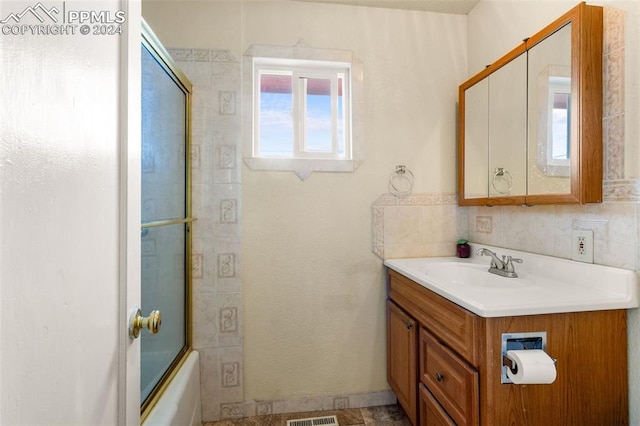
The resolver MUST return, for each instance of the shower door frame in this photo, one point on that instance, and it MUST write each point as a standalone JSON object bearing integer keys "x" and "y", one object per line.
{"x": 151, "y": 42}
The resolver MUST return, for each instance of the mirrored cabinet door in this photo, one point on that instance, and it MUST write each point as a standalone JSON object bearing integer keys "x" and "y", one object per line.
{"x": 551, "y": 107}
{"x": 542, "y": 117}
{"x": 508, "y": 129}
{"x": 476, "y": 163}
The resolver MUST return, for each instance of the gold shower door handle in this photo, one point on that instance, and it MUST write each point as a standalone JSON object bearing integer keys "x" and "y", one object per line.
{"x": 137, "y": 322}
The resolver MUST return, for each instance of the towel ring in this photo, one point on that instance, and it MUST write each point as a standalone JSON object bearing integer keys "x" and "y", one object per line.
{"x": 505, "y": 177}
{"x": 401, "y": 181}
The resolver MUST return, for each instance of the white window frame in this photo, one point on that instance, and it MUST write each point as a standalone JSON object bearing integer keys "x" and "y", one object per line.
{"x": 300, "y": 72}
{"x": 302, "y": 61}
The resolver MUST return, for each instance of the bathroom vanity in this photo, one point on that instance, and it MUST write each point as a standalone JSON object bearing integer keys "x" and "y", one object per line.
{"x": 445, "y": 332}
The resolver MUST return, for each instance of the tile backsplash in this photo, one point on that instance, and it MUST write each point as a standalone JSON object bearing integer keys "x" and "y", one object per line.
{"x": 427, "y": 225}
{"x": 416, "y": 225}
{"x": 547, "y": 230}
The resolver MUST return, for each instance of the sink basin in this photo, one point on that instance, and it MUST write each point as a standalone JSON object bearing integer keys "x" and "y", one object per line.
{"x": 472, "y": 274}
{"x": 544, "y": 284}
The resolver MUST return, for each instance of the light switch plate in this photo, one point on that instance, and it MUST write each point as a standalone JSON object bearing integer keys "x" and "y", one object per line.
{"x": 582, "y": 245}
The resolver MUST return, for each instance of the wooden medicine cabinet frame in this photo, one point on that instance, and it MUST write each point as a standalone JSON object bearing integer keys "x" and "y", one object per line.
{"x": 586, "y": 146}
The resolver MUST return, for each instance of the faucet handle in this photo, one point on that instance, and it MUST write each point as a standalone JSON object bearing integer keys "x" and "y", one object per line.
{"x": 508, "y": 263}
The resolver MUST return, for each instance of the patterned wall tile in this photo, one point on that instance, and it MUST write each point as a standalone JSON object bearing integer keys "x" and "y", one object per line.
{"x": 179, "y": 54}
{"x": 264, "y": 408}
{"x": 204, "y": 329}
{"x": 613, "y": 82}
{"x": 230, "y": 374}
{"x": 305, "y": 404}
{"x": 232, "y": 410}
{"x": 195, "y": 156}
{"x": 415, "y": 225}
{"x": 614, "y": 103}
{"x": 201, "y": 55}
{"x": 197, "y": 268}
{"x": 614, "y": 29}
{"x": 227, "y": 271}
{"x": 227, "y": 102}
{"x": 623, "y": 190}
{"x": 229, "y": 211}
{"x": 226, "y": 155}
{"x": 222, "y": 56}
{"x": 340, "y": 402}
{"x": 484, "y": 224}
{"x": 226, "y": 265}
{"x": 377, "y": 230}
{"x": 228, "y": 320}
{"x": 613, "y": 140}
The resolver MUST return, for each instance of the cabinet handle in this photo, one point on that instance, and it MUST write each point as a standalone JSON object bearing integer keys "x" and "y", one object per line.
{"x": 439, "y": 377}
{"x": 409, "y": 324}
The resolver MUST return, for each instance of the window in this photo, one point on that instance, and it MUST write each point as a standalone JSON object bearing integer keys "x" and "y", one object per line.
{"x": 302, "y": 109}
{"x": 301, "y": 116}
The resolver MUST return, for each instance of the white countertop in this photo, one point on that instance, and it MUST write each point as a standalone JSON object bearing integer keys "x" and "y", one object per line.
{"x": 544, "y": 285}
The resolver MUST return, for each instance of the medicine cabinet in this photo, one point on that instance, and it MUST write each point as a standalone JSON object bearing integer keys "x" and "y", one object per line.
{"x": 530, "y": 124}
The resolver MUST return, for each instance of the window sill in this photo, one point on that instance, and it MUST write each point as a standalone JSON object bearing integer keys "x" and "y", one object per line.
{"x": 302, "y": 167}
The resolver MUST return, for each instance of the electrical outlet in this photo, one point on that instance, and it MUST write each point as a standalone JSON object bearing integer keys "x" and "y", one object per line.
{"x": 582, "y": 245}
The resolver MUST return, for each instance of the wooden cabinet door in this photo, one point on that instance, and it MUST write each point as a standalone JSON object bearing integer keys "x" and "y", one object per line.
{"x": 431, "y": 413}
{"x": 402, "y": 336}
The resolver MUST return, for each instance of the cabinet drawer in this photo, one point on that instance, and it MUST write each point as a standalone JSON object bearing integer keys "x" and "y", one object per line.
{"x": 448, "y": 321}
{"x": 431, "y": 413}
{"x": 453, "y": 383}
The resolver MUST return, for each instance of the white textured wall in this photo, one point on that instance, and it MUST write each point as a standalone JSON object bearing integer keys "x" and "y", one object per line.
{"x": 314, "y": 292}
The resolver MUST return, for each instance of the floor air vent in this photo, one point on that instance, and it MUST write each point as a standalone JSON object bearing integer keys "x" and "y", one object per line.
{"x": 315, "y": 421}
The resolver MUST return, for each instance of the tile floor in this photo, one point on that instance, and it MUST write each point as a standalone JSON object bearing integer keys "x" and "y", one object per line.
{"x": 387, "y": 415}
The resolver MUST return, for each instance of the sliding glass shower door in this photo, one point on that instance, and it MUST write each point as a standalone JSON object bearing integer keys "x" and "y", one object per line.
{"x": 166, "y": 214}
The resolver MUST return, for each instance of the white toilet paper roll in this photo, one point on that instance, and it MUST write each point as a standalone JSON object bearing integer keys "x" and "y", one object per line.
{"x": 534, "y": 367}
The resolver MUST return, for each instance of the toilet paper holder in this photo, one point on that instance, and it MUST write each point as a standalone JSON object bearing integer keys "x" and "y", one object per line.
{"x": 519, "y": 341}
{"x": 510, "y": 364}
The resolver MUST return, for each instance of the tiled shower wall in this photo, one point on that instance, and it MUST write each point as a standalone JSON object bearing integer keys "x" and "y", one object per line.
{"x": 217, "y": 206}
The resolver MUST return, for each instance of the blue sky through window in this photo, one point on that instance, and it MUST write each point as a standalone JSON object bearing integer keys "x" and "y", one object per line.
{"x": 276, "y": 125}
{"x": 277, "y": 121}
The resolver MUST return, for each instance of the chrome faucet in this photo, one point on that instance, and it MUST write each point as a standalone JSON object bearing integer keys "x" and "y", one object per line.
{"x": 495, "y": 261}
{"x": 503, "y": 267}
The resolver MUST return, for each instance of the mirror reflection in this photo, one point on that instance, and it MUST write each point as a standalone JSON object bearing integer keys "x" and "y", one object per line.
{"x": 560, "y": 129}
{"x": 554, "y": 121}
{"x": 549, "y": 106}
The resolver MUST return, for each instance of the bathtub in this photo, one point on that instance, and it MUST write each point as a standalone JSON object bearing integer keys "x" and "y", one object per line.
{"x": 180, "y": 402}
